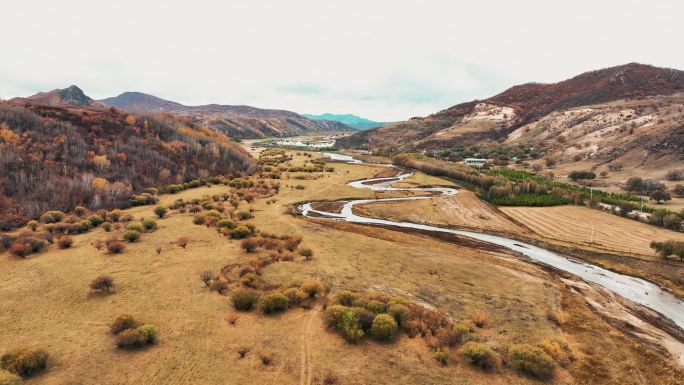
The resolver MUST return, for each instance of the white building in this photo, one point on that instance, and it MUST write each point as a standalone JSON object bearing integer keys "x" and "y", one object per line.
{"x": 476, "y": 162}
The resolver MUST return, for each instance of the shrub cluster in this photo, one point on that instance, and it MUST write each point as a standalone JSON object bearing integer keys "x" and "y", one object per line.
{"x": 531, "y": 360}
{"x": 130, "y": 334}
{"x": 24, "y": 362}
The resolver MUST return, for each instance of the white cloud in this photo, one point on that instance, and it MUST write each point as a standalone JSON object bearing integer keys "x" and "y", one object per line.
{"x": 386, "y": 60}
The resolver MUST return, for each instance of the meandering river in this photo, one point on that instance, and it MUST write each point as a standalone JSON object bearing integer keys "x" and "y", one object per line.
{"x": 634, "y": 289}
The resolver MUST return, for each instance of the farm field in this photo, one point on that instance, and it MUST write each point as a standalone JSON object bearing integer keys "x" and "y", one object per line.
{"x": 574, "y": 224}
{"x": 46, "y": 303}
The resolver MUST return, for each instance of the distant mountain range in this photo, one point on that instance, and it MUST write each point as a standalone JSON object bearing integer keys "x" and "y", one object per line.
{"x": 348, "y": 119}
{"x": 239, "y": 122}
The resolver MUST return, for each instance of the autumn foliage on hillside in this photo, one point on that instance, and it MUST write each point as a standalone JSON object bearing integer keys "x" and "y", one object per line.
{"x": 54, "y": 158}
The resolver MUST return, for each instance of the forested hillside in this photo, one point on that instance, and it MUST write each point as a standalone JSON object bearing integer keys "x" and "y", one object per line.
{"x": 54, "y": 158}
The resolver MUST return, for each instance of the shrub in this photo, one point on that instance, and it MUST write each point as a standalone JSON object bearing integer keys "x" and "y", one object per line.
{"x": 296, "y": 295}
{"x": 345, "y": 298}
{"x": 130, "y": 339}
{"x": 219, "y": 285}
{"x": 479, "y": 354}
{"x": 274, "y": 303}
{"x": 376, "y": 307}
{"x": 135, "y": 227}
{"x": 399, "y": 312}
{"x": 7, "y": 378}
{"x": 115, "y": 247}
{"x": 266, "y": 358}
{"x": 480, "y": 319}
{"x": 333, "y": 313}
{"x": 131, "y": 236}
{"x": 531, "y": 360}
{"x": 19, "y": 249}
{"x": 442, "y": 355}
{"x": 24, "y": 362}
{"x": 306, "y": 253}
{"x": 96, "y": 220}
{"x": 242, "y": 351}
{"x": 149, "y": 333}
{"x": 33, "y": 225}
{"x": 102, "y": 283}
{"x": 183, "y": 241}
{"x": 384, "y": 327}
{"x": 160, "y": 211}
{"x": 244, "y": 299}
{"x": 226, "y": 223}
{"x": 312, "y": 287}
{"x": 249, "y": 280}
{"x": 65, "y": 242}
{"x": 123, "y": 322}
{"x": 364, "y": 318}
{"x": 249, "y": 244}
{"x": 207, "y": 276}
{"x": 107, "y": 226}
{"x": 244, "y": 215}
{"x": 240, "y": 232}
{"x": 349, "y": 326}
{"x": 292, "y": 242}
{"x": 149, "y": 224}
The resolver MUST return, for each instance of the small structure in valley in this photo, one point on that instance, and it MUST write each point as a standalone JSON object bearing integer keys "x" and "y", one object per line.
{"x": 476, "y": 162}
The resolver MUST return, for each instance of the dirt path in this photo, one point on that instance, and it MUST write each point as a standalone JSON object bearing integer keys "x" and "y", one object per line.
{"x": 306, "y": 375}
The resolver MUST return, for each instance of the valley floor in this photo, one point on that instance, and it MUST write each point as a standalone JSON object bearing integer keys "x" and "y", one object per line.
{"x": 45, "y": 302}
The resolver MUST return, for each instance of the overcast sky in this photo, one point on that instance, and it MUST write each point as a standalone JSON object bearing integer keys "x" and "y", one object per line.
{"x": 381, "y": 59}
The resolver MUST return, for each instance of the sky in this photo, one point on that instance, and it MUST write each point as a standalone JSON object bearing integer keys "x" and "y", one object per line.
{"x": 383, "y": 60}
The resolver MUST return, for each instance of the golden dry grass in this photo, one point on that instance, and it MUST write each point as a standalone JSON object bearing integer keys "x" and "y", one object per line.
{"x": 461, "y": 210}
{"x": 46, "y": 303}
{"x": 574, "y": 224}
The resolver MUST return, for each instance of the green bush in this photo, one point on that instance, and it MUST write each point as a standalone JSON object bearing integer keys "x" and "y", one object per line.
{"x": 345, "y": 298}
{"x": 333, "y": 313}
{"x": 442, "y": 355}
{"x": 274, "y": 303}
{"x": 24, "y": 362}
{"x": 240, "y": 232}
{"x": 149, "y": 333}
{"x": 149, "y": 224}
{"x": 160, "y": 211}
{"x": 376, "y": 307}
{"x": 7, "y": 378}
{"x": 531, "y": 360}
{"x": 348, "y": 325}
{"x": 123, "y": 322}
{"x": 227, "y": 223}
{"x": 400, "y": 312}
{"x": 135, "y": 227}
{"x": 244, "y": 299}
{"x": 131, "y": 236}
{"x": 384, "y": 327}
{"x": 130, "y": 339}
{"x": 244, "y": 215}
{"x": 96, "y": 220}
{"x": 479, "y": 354}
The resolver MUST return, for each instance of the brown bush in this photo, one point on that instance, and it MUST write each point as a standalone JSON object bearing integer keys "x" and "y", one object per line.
{"x": 24, "y": 362}
{"x": 291, "y": 242}
{"x": 103, "y": 283}
{"x": 481, "y": 319}
{"x": 266, "y": 358}
{"x": 306, "y": 253}
{"x": 249, "y": 244}
{"x": 312, "y": 287}
{"x": 123, "y": 322}
{"x": 219, "y": 285}
{"x": 98, "y": 244}
{"x": 115, "y": 247}
{"x": 182, "y": 242}
{"x": 232, "y": 318}
{"x": 65, "y": 242}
